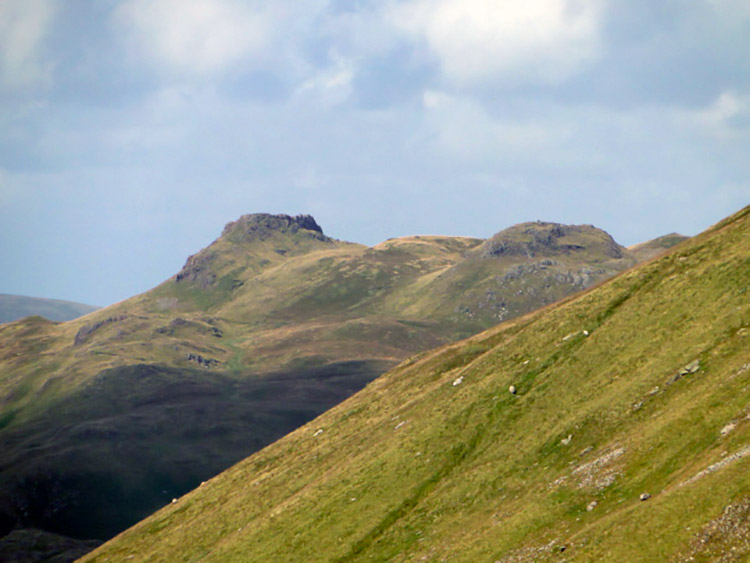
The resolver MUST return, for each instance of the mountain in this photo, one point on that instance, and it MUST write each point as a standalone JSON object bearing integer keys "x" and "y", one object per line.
{"x": 647, "y": 250}
{"x": 14, "y": 307}
{"x": 612, "y": 426}
{"x": 105, "y": 419}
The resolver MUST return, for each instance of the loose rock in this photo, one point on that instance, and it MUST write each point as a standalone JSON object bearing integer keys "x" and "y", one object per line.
{"x": 645, "y": 496}
{"x": 692, "y": 367}
{"x": 512, "y": 389}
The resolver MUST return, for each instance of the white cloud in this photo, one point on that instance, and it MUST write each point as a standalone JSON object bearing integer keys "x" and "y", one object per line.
{"x": 462, "y": 128}
{"x": 200, "y": 36}
{"x": 23, "y": 26}
{"x": 332, "y": 85}
{"x": 479, "y": 41}
{"x": 363, "y": 32}
{"x": 727, "y": 117}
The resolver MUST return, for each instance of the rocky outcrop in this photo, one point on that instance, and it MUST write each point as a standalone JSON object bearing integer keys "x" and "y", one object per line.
{"x": 530, "y": 239}
{"x": 692, "y": 367}
{"x": 196, "y": 270}
{"x": 87, "y": 330}
{"x": 201, "y": 361}
{"x": 261, "y": 226}
{"x": 201, "y": 328}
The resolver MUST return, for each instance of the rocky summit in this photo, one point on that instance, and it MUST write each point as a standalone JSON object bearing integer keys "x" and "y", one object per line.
{"x": 530, "y": 239}
{"x": 264, "y": 225}
{"x": 106, "y": 418}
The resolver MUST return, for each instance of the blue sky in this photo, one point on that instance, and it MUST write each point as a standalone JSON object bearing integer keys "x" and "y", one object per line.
{"x": 131, "y": 131}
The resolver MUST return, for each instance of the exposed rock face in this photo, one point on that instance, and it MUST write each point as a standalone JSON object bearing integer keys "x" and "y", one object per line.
{"x": 179, "y": 323}
{"x": 196, "y": 270}
{"x": 264, "y": 225}
{"x": 725, "y": 538}
{"x": 528, "y": 239}
{"x": 201, "y": 361}
{"x": 85, "y": 331}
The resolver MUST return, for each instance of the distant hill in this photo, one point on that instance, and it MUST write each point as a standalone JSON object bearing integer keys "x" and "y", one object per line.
{"x": 611, "y": 426}
{"x": 14, "y": 307}
{"x": 105, "y": 419}
{"x": 647, "y": 250}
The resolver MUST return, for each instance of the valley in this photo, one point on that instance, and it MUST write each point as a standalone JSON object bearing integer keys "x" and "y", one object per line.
{"x": 612, "y": 425}
{"x": 108, "y": 417}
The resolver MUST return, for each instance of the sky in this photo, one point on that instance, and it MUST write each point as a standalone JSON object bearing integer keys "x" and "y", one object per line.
{"x": 131, "y": 131}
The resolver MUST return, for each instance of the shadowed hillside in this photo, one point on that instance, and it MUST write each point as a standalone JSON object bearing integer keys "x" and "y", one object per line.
{"x": 614, "y": 426}
{"x": 106, "y": 418}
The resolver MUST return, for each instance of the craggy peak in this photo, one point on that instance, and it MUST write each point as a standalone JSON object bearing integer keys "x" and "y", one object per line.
{"x": 263, "y": 225}
{"x": 283, "y": 232}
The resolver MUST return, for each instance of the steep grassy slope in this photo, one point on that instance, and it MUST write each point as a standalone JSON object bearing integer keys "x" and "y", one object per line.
{"x": 106, "y": 418}
{"x": 14, "y": 307}
{"x": 627, "y": 439}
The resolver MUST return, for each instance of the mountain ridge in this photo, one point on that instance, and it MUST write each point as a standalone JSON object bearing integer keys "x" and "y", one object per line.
{"x": 609, "y": 426}
{"x": 288, "y": 318}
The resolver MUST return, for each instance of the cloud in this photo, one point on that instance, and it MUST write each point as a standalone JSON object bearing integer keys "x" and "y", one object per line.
{"x": 201, "y": 37}
{"x": 728, "y": 116}
{"x": 24, "y": 25}
{"x": 464, "y": 129}
{"x": 330, "y": 86}
{"x": 480, "y": 41}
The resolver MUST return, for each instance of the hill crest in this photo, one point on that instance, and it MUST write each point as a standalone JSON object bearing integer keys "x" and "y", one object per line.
{"x": 529, "y": 239}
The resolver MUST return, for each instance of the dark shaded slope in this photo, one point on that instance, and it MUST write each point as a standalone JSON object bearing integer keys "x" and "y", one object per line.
{"x": 38, "y": 546}
{"x": 137, "y": 436}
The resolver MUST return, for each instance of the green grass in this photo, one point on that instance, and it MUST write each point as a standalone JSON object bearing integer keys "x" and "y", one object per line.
{"x": 327, "y": 315}
{"x": 416, "y": 468}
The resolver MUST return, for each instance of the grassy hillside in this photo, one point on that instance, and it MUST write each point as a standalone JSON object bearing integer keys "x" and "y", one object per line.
{"x": 105, "y": 418}
{"x": 627, "y": 438}
{"x": 14, "y": 307}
